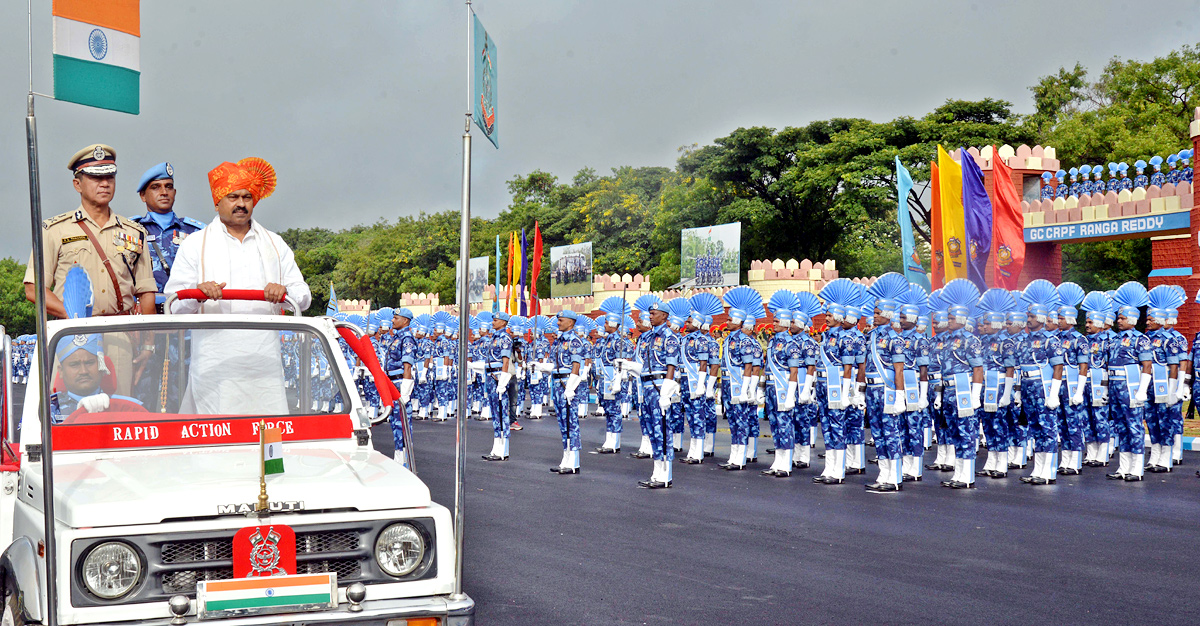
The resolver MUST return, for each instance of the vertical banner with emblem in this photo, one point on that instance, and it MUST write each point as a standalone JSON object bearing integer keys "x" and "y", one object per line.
{"x": 483, "y": 105}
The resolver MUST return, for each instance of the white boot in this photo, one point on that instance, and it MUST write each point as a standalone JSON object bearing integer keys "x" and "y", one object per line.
{"x": 400, "y": 458}
{"x": 1177, "y": 449}
{"x": 737, "y": 454}
{"x": 535, "y": 411}
{"x": 645, "y": 447}
{"x": 677, "y": 441}
{"x": 1154, "y": 454}
{"x": 624, "y": 410}
{"x": 504, "y": 448}
{"x": 785, "y": 465}
{"x": 497, "y": 447}
{"x": 566, "y": 458}
{"x": 1123, "y": 462}
{"x": 804, "y": 454}
{"x": 581, "y": 411}
{"x": 617, "y": 441}
{"x": 884, "y": 466}
{"x": 928, "y": 436}
{"x": 710, "y": 442}
{"x": 752, "y": 448}
{"x": 575, "y": 458}
{"x": 486, "y": 413}
{"x": 665, "y": 473}
{"x": 696, "y": 449}
{"x": 839, "y": 464}
{"x": 1137, "y": 464}
{"x": 1038, "y": 460}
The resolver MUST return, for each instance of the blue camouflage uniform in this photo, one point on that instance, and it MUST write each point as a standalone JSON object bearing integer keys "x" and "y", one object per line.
{"x": 1098, "y": 429}
{"x": 539, "y": 382}
{"x": 1074, "y": 417}
{"x": 1127, "y": 348}
{"x": 999, "y": 354}
{"x": 782, "y": 354}
{"x": 961, "y": 353}
{"x": 424, "y": 387}
{"x": 496, "y": 350}
{"x": 910, "y": 348}
{"x": 805, "y": 416}
{"x": 568, "y": 349}
{"x": 164, "y": 233}
{"x": 741, "y": 350}
{"x": 853, "y": 348}
{"x": 1158, "y": 412}
{"x": 694, "y": 358}
{"x": 659, "y": 350}
{"x": 1038, "y": 355}
{"x": 607, "y": 350}
{"x": 403, "y": 350}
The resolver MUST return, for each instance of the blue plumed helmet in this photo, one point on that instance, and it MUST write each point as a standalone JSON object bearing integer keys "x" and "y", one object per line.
{"x": 443, "y": 321}
{"x": 1112, "y": 312}
{"x": 1114, "y": 167}
{"x": 77, "y": 297}
{"x": 1129, "y": 298}
{"x": 1069, "y": 296}
{"x": 1184, "y": 155}
{"x": 678, "y": 311}
{"x": 1173, "y": 159}
{"x": 357, "y": 320}
{"x": 914, "y": 302}
{"x": 839, "y": 295}
{"x": 1173, "y": 312}
{"x": 1074, "y": 172}
{"x": 644, "y": 304}
{"x": 615, "y": 308}
{"x": 1061, "y": 175}
{"x": 1040, "y": 298}
{"x": 1085, "y": 170}
{"x": 485, "y": 320}
{"x": 1162, "y": 298}
{"x": 518, "y": 324}
{"x": 1098, "y": 305}
{"x": 1123, "y": 167}
{"x": 424, "y": 322}
{"x": 745, "y": 305}
{"x": 1046, "y": 176}
{"x": 627, "y": 324}
{"x": 885, "y": 290}
{"x": 1140, "y": 165}
{"x": 706, "y": 305}
{"x": 1156, "y": 161}
{"x": 584, "y": 325}
{"x": 960, "y": 296}
{"x": 782, "y": 303}
{"x": 808, "y": 307}
{"x": 995, "y": 304}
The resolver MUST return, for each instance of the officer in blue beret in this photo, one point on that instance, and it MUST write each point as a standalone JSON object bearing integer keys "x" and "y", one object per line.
{"x": 164, "y": 230}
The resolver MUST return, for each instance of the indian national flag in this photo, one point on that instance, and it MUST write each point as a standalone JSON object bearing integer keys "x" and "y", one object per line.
{"x": 268, "y": 592}
{"x": 97, "y": 51}
{"x": 272, "y": 451}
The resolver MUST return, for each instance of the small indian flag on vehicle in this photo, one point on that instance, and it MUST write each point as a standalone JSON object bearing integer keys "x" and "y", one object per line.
{"x": 97, "y": 53}
{"x": 272, "y": 447}
{"x": 266, "y": 594}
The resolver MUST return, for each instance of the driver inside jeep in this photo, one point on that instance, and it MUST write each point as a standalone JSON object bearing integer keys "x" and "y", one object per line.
{"x": 81, "y": 366}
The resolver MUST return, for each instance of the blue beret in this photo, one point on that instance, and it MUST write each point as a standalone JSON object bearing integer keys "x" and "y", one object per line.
{"x": 569, "y": 314}
{"x": 403, "y": 313}
{"x": 502, "y": 316}
{"x": 158, "y": 172}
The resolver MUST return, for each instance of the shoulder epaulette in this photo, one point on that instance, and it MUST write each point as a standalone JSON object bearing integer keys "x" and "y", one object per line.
{"x": 136, "y": 225}
{"x": 62, "y": 217}
{"x": 191, "y": 221}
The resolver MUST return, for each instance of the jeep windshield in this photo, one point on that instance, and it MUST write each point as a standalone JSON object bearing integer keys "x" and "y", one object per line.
{"x": 194, "y": 381}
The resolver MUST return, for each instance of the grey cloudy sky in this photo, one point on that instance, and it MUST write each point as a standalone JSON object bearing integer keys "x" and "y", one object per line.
{"x": 359, "y": 104}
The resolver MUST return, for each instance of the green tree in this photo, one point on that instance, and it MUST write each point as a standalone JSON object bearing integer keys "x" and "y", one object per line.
{"x": 16, "y": 313}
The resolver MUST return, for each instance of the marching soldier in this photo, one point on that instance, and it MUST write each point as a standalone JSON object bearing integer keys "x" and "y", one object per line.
{"x": 1041, "y": 359}
{"x": 1097, "y": 431}
{"x": 660, "y": 362}
{"x": 742, "y": 357}
{"x": 1075, "y": 371}
{"x": 962, "y": 381}
{"x": 781, "y": 371}
{"x": 1130, "y": 357}
{"x": 999, "y": 359}
{"x": 566, "y": 360}
{"x": 1164, "y": 369}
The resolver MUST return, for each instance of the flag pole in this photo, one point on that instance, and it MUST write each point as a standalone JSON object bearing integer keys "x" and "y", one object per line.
{"x": 464, "y": 316}
{"x": 43, "y": 353}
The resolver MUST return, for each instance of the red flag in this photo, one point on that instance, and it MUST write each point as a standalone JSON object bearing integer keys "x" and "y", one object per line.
{"x": 935, "y": 228}
{"x": 536, "y": 269}
{"x": 1009, "y": 224}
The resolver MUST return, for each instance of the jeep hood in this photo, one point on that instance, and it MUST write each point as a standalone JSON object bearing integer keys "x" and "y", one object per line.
{"x": 124, "y": 489}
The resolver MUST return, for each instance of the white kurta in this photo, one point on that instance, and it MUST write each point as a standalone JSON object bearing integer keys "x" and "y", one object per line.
{"x": 235, "y": 371}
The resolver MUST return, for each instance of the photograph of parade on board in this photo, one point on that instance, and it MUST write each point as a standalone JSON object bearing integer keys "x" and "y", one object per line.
{"x": 456, "y": 312}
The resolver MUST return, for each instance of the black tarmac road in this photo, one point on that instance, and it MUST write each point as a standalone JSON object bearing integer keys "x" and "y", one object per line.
{"x": 741, "y": 548}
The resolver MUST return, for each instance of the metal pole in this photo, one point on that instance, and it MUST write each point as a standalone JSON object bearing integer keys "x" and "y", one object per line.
{"x": 43, "y": 371}
{"x": 464, "y": 330}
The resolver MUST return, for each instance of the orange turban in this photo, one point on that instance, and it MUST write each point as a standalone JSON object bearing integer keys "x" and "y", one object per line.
{"x": 252, "y": 174}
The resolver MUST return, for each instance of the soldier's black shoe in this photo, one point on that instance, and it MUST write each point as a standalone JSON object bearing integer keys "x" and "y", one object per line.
{"x": 494, "y": 457}
{"x": 752, "y": 459}
{"x": 909, "y": 478}
{"x": 1015, "y": 466}
{"x": 1131, "y": 478}
{"x": 856, "y": 470}
{"x": 770, "y": 450}
{"x": 690, "y": 461}
{"x": 732, "y": 468}
{"x": 803, "y": 465}
{"x": 653, "y": 484}
{"x": 1115, "y": 476}
{"x": 983, "y": 472}
{"x": 829, "y": 480}
{"x": 818, "y": 479}
{"x": 1068, "y": 471}
{"x": 1158, "y": 469}
{"x": 874, "y": 461}
{"x": 955, "y": 484}
{"x": 883, "y": 488}
{"x": 1197, "y": 473}
{"x": 639, "y": 455}
{"x": 1027, "y": 479}
{"x": 1042, "y": 481}
{"x": 947, "y": 483}
{"x": 708, "y": 454}
{"x": 782, "y": 474}
{"x": 608, "y": 450}
{"x": 937, "y": 467}
{"x": 996, "y": 474}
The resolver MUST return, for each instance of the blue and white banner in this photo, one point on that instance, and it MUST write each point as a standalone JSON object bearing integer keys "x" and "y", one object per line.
{"x": 483, "y": 102}
{"x": 1111, "y": 229}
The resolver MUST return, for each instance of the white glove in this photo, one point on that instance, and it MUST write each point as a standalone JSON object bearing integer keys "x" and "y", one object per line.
{"x": 698, "y": 387}
{"x": 502, "y": 382}
{"x": 789, "y": 397}
{"x": 1077, "y": 397}
{"x": 710, "y": 387}
{"x": 1052, "y": 399}
{"x": 476, "y": 366}
{"x": 900, "y": 405}
{"x": 620, "y": 363}
{"x": 360, "y": 372}
{"x": 406, "y": 389}
{"x": 632, "y": 366}
{"x": 860, "y": 401}
{"x": 94, "y": 404}
{"x": 807, "y": 395}
{"x": 422, "y": 376}
{"x": 1144, "y": 384}
{"x": 937, "y": 401}
{"x": 1016, "y": 398}
{"x": 572, "y": 382}
{"x": 976, "y": 396}
{"x": 748, "y": 384}
{"x": 847, "y": 392}
{"x": 922, "y": 395}
{"x": 666, "y": 392}
{"x": 1006, "y": 396}
{"x": 1185, "y": 390}
{"x": 761, "y": 396}
{"x": 615, "y": 386}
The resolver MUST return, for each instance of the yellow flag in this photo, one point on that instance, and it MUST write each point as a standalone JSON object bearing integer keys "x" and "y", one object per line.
{"x": 954, "y": 228}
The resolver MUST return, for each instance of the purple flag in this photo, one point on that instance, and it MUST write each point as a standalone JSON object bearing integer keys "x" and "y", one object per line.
{"x": 977, "y": 209}
{"x": 524, "y": 271}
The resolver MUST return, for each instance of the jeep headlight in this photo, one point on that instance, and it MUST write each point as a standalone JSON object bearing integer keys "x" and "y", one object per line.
{"x": 399, "y": 549}
{"x": 111, "y": 569}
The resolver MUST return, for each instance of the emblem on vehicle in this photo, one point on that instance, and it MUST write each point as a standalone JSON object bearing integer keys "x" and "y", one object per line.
{"x": 264, "y": 551}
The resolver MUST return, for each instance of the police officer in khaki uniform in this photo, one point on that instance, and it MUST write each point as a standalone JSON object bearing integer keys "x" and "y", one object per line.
{"x": 109, "y": 247}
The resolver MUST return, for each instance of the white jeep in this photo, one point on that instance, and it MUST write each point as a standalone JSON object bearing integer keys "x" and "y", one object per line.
{"x": 153, "y": 480}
